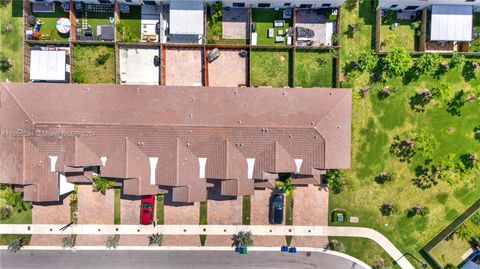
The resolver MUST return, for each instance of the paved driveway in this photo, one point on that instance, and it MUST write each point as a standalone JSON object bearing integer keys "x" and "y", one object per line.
{"x": 50, "y": 214}
{"x": 310, "y": 208}
{"x": 94, "y": 208}
{"x": 225, "y": 212}
{"x": 130, "y": 214}
{"x": 235, "y": 23}
{"x": 186, "y": 214}
{"x": 259, "y": 215}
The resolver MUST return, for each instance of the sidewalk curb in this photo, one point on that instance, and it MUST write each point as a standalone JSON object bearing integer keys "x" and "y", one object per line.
{"x": 193, "y": 248}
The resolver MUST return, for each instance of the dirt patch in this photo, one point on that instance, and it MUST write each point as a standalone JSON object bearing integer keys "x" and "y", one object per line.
{"x": 183, "y": 67}
{"x": 228, "y": 70}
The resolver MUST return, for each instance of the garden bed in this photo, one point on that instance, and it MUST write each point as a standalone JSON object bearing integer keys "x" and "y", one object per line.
{"x": 11, "y": 40}
{"x": 270, "y": 68}
{"x": 94, "y": 64}
{"x": 314, "y": 68}
{"x": 23, "y": 217}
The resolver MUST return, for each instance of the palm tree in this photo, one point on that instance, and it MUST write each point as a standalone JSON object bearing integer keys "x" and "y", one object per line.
{"x": 112, "y": 241}
{"x": 242, "y": 239}
{"x": 287, "y": 186}
{"x": 155, "y": 239}
{"x": 102, "y": 184}
{"x": 17, "y": 244}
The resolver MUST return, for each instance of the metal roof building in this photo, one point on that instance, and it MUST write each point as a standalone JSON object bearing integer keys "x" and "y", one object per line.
{"x": 451, "y": 23}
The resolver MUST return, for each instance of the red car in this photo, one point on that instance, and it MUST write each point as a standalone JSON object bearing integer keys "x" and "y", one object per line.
{"x": 147, "y": 209}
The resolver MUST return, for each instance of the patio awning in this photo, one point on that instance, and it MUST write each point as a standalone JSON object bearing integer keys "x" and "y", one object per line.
{"x": 186, "y": 18}
{"x": 451, "y": 23}
{"x": 47, "y": 65}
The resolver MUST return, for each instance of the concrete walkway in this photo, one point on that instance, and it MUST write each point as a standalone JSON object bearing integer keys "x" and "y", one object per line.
{"x": 93, "y": 229}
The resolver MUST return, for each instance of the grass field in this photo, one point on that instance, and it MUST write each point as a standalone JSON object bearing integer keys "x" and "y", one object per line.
{"x": 94, "y": 64}
{"x": 450, "y": 251}
{"x": 246, "y": 206}
{"x": 289, "y": 200}
{"x": 402, "y": 36}
{"x": 314, "y": 69}
{"x": 215, "y": 33}
{"x": 203, "y": 220}
{"x": 49, "y": 25}
{"x": 117, "y": 207}
{"x": 11, "y": 43}
{"x": 131, "y": 25}
{"x": 264, "y": 17}
{"x": 375, "y": 122}
{"x": 24, "y": 217}
{"x": 160, "y": 209}
{"x": 270, "y": 68}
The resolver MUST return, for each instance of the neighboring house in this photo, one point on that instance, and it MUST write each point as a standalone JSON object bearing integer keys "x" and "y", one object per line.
{"x": 449, "y": 20}
{"x": 244, "y": 3}
{"x": 179, "y": 139}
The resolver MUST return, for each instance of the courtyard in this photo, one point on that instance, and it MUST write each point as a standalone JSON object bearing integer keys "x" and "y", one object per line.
{"x": 228, "y": 70}
{"x": 133, "y": 59}
{"x": 183, "y": 67}
{"x": 316, "y": 20}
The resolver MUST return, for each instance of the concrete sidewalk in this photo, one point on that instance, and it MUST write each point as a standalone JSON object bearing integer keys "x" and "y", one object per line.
{"x": 94, "y": 229}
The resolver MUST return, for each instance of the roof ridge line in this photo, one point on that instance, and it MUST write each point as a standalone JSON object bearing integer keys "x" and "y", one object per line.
{"x": 329, "y": 112}
{"x": 18, "y": 103}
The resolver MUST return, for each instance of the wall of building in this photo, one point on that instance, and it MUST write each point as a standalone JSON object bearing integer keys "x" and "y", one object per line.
{"x": 395, "y": 4}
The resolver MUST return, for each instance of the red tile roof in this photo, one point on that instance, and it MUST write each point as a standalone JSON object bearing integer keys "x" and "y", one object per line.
{"x": 177, "y": 125}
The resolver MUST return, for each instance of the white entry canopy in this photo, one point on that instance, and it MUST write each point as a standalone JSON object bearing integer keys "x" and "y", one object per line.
{"x": 451, "y": 23}
{"x": 186, "y": 17}
{"x": 47, "y": 65}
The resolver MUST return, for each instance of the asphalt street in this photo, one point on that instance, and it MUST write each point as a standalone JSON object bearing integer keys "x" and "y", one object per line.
{"x": 119, "y": 259}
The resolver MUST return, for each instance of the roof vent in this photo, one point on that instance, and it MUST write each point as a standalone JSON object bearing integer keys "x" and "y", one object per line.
{"x": 58, "y": 126}
{"x": 88, "y": 89}
{"x": 290, "y": 135}
{"x": 26, "y": 121}
{"x": 137, "y": 89}
{"x": 312, "y": 123}
{"x": 331, "y": 93}
{"x": 338, "y": 127}
{"x": 191, "y": 115}
{"x": 239, "y": 121}
{"x": 193, "y": 98}
{"x": 284, "y": 92}
{"x": 315, "y": 137}
{"x": 140, "y": 143}
{"x": 188, "y": 144}
{"x": 189, "y": 131}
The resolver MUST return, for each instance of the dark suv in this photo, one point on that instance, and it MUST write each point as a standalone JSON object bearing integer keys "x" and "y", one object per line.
{"x": 276, "y": 208}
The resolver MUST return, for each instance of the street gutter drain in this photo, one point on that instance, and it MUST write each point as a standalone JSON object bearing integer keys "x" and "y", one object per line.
{"x": 116, "y": 229}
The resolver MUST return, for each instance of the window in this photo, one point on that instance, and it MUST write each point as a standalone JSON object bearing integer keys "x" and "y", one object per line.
{"x": 237, "y": 4}
{"x": 470, "y": 0}
{"x": 306, "y": 6}
{"x": 393, "y": 6}
{"x": 149, "y": 2}
{"x": 105, "y": 1}
{"x": 326, "y": 5}
{"x": 129, "y": 1}
{"x": 287, "y": 4}
{"x": 411, "y": 7}
{"x": 263, "y": 4}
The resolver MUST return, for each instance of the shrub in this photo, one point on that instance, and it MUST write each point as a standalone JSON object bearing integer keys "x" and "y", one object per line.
{"x": 442, "y": 92}
{"x": 287, "y": 185}
{"x": 15, "y": 200}
{"x": 336, "y": 245}
{"x": 425, "y": 177}
{"x": 102, "y": 184}
{"x": 418, "y": 210}
{"x": 450, "y": 170}
{"x": 337, "y": 181}
{"x": 102, "y": 58}
{"x": 242, "y": 239}
{"x": 397, "y": 62}
{"x": 389, "y": 208}
{"x": 428, "y": 64}
{"x": 476, "y": 218}
{"x": 17, "y": 244}
{"x": 457, "y": 60}
{"x": 385, "y": 177}
{"x": 367, "y": 60}
{"x": 155, "y": 239}
{"x": 476, "y": 133}
{"x": 69, "y": 241}
{"x": 425, "y": 144}
{"x": 381, "y": 264}
{"x": 112, "y": 241}
{"x": 5, "y": 213}
{"x": 5, "y": 64}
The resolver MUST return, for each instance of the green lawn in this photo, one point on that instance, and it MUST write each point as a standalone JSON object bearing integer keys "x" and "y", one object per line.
{"x": 24, "y": 217}
{"x": 160, "y": 209}
{"x": 450, "y": 251}
{"x": 246, "y": 206}
{"x": 117, "y": 214}
{"x": 50, "y": 22}
{"x": 288, "y": 215}
{"x": 270, "y": 68}
{"x": 366, "y": 250}
{"x": 264, "y": 17}
{"x": 11, "y": 43}
{"x": 215, "y": 33}
{"x": 94, "y": 64}
{"x": 203, "y": 220}
{"x": 130, "y": 25}
{"x": 314, "y": 69}
{"x": 374, "y": 123}
{"x": 402, "y": 36}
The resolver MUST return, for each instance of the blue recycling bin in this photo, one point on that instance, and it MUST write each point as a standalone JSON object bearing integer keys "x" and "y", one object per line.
{"x": 284, "y": 249}
{"x": 238, "y": 249}
{"x": 293, "y": 250}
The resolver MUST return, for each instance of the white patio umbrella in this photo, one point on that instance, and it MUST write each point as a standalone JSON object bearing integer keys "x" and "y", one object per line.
{"x": 63, "y": 25}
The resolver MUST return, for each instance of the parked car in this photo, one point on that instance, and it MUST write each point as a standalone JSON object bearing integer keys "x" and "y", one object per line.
{"x": 213, "y": 55}
{"x": 276, "y": 208}
{"x": 147, "y": 209}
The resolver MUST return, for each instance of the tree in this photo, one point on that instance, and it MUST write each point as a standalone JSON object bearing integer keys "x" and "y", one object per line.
{"x": 450, "y": 266}
{"x": 418, "y": 210}
{"x": 425, "y": 144}
{"x": 112, "y": 241}
{"x": 155, "y": 239}
{"x": 457, "y": 60}
{"x": 17, "y": 244}
{"x": 242, "y": 239}
{"x": 5, "y": 64}
{"x": 389, "y": 208}
{"x": 425, "y": 177}
{"x": 385, "y": 177}
{"x": 102, "y": 184}
{"x": 5, "y": 213}
{"x": 287, "y": 186}
{"x": 337, "y": 181}
{"x": 15, "y": 200}
{"x": 476, "y": 218}
{"x": 428, "y": 64}
{"x": 442, "y": 92}
{"x": 397, "y": 62}
{"x": 402, "y": 148}
{"x": 69, "y": 241}
{"x": 367, "y": 60}
{"x": 450, "y": 170}
{"x": 4, "y": 2}
{"x": 476, "y": 133}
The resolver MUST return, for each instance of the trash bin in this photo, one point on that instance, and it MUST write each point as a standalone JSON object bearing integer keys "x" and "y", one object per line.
{"x": 293, "y": 250}
{"x": 284, "y": 249}
{"x": 238, "y": 249}
{"x": 244, "y": 251}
